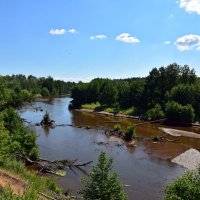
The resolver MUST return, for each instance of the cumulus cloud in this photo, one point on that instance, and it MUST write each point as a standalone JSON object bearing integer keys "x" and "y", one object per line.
{"x": 98, "y": 37}
{"x": 72, "y": 30}
{"x": 167, "y": 42}
{"x": 62, "y": 31}
{"x": 188, "y": 42}
{"x": 190, "y": 5}
{"x": 125, "y": 37}
{"x": 57, "y": 31}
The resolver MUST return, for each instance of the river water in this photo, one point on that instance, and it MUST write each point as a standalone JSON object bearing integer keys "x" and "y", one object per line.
{"x": 144, "y": 169}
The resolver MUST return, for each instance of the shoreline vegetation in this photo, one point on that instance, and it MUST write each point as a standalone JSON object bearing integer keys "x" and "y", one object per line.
{"x": 171, "y": 93}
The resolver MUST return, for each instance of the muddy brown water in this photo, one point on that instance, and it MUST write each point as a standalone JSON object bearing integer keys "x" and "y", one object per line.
{"x": 144, "y": 169}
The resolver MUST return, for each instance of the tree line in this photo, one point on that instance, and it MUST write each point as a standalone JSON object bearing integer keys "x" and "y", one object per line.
{"x": 172, "y": 92}
{"x": 17, "y": 89}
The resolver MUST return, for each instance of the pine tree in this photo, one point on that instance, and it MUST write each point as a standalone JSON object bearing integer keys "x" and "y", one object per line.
{"x": 103, "y": 184}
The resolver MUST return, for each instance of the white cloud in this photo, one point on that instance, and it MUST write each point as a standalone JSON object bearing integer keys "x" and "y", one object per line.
{"x": 125, "y": 37}
{"x": 188, "y": 42}
{"x": 98, "y": 37}
{"x": 57, "y": 31}
{"x": 62, "y": 31}
{"x": 72, "y": 30}
{"x": 167, "y": 42}
{"x": 190, "y": 5}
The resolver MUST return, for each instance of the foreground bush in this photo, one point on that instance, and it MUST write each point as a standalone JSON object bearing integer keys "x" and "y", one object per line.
{"x": 102, "y": 183}
{"x": 186, "y": 187}
{"x": 19, "y": 138}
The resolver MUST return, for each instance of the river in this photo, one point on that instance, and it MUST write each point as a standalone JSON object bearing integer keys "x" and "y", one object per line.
{"x": 144, "y": 169}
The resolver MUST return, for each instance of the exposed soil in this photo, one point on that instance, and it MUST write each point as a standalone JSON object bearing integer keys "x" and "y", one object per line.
{"x": 16, "y": 185}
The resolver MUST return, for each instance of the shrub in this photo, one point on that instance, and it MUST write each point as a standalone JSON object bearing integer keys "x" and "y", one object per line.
{"x": 23, "y": 140}
{"x": 45, "y": 92}
{"x": 155, "y": 113}
{"x": 178, "y": 113}
{"x": 130, "y": 133}
{"x": 185, "y": 187}
{"x": 102, "y": 182}
{"x": 46, "y": 118}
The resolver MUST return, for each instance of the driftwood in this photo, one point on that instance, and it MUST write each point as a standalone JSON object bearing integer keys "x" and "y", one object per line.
{"x": 118, "y": 133}
{"x": 150, "y": 122}
{"x": 48, "y": 123}
{"x": 47, "y": 166}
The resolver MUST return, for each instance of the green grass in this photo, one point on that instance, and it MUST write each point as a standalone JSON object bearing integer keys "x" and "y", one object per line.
{"x": 129, "y": 111}
{"x": 110, "y": 110}
{"x": 98, "y": 107}
{"x": 34, "y": 183}
{"x": 91, "y": 106}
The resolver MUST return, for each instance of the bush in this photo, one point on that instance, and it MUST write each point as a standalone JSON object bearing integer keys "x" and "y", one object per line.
{"x": 178, "y": 113}
{"x": 22, "y": 139}
{"x": 130, "y": 133}
{"x": 185, "y": 187}
{"x": 46, "y": 118}
{"x": 45, "y": 92}
{"x": 155, "y": 113}
{"x": 102, "y": 182}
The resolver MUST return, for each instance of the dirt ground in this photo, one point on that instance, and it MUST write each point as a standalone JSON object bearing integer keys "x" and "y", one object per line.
{"x": 15, "y": 184}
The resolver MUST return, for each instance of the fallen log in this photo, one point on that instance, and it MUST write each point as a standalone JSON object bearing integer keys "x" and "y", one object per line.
{"x": 48, "y": 166}
{"x": 84, "y": 164}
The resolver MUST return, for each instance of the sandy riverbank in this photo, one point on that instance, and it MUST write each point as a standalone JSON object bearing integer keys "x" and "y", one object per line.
{"x": 108, "y": 114}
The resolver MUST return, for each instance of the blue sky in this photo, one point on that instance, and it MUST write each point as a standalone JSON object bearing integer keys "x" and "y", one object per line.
{"x": 84, "y": 39}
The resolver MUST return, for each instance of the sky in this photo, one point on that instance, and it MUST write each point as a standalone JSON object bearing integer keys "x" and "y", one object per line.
{"x": 77, "y": 40}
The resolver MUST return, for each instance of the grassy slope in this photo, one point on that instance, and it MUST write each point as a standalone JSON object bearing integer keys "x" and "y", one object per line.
{"x": 34, "y": 183}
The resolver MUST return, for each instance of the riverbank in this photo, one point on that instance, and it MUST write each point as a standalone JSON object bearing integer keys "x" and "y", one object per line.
{"x": 125, "y": 116}
{"x": 17, "y": 180}
{"x": 108, "y": 113}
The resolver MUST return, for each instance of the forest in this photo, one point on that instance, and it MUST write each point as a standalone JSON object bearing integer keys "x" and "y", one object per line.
{"x": 17, "y": 89}
{"x": 171, "y": 92}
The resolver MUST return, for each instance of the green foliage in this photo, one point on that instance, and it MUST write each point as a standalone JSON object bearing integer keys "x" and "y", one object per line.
{"x": 16, "y": 89}
{"x": 102, "y": 183}
{"x": 45, "y": 92}
{"x": 186, "y": 187}
{"x": 108, "y": 94}
{"x": 79, "y": 92}
{"x": 5, "y": 144}
{"x": 46, "y": 118}
{"x": 128, "y": 111}
{"x": 171, "y": 83}
{"x": 23, "y": 140}
{"x": 155, "y": 113}
{"x": 183, "y": 94}
{"x": 130, "y": 134}
{"x": 91, "y": 106}
{"x": 178, "y": 113}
